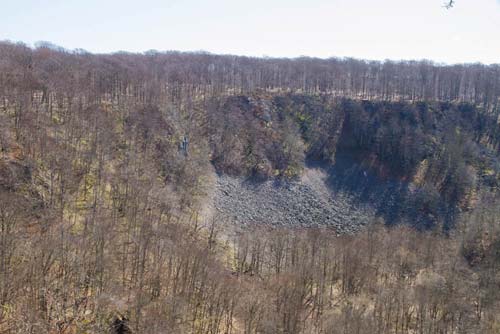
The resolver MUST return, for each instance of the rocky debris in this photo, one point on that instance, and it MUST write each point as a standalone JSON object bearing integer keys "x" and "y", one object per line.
{"x": 304, "y": 203}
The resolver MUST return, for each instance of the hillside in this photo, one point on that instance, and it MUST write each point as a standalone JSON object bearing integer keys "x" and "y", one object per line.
{"x": 196, "y": 193}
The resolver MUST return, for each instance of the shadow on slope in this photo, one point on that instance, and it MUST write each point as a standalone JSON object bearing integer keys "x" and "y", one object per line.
{"x": 394, "y": 199}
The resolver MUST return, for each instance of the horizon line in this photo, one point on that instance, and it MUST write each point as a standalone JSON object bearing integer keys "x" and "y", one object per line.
{"x": 80, "y": 51}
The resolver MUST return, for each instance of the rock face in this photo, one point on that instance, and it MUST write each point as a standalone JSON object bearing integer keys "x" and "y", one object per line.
{"x": 305, "y": 203}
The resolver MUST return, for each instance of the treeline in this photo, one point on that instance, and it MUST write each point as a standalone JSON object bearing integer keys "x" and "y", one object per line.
{"x": 175, "y": 75}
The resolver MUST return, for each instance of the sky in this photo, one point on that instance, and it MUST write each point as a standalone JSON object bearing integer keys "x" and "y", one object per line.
{"x": 368, "y": 29}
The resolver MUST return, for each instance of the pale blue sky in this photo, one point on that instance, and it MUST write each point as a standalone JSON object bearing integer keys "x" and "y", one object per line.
{"x": 371, "y": 29}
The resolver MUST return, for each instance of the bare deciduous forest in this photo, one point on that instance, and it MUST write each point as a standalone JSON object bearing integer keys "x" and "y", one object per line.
{"x": 104, "y": 169}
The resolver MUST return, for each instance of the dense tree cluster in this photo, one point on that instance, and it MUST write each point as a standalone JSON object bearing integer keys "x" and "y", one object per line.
{"x": 155, "y": 75}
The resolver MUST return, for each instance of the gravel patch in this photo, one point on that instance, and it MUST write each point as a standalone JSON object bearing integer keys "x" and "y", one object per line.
{"x": 304, "y": 203}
